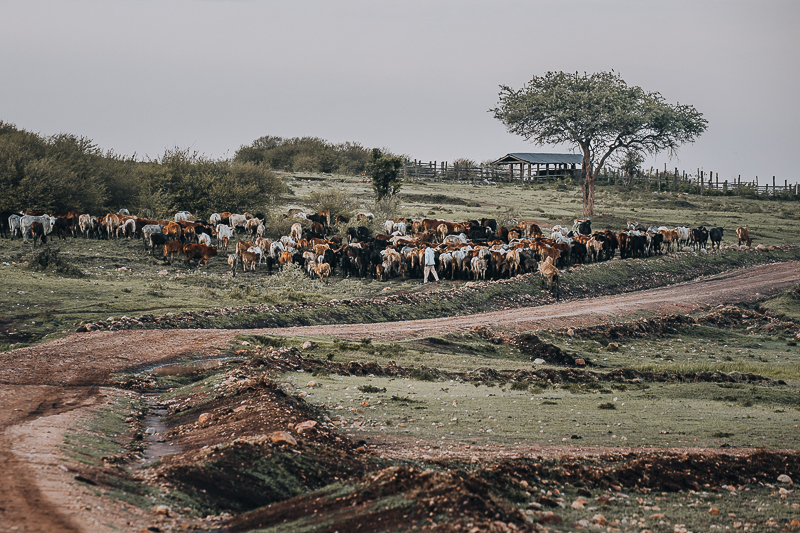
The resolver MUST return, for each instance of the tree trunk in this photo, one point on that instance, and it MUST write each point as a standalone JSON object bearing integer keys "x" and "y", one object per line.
{"x": 588, "y": 179}
{"x": 588, "y": 195}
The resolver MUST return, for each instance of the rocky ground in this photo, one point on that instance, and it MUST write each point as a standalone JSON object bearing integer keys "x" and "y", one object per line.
{"x": 52, "y": 390}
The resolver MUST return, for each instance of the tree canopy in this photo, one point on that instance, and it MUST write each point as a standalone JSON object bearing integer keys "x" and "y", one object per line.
{"x": 384, "y": 171}
{"x": 598, "y": 113}
{"x": 64, "y": 172}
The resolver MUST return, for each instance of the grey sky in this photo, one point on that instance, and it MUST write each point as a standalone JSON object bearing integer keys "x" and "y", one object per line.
{"x": 414, "y": 76}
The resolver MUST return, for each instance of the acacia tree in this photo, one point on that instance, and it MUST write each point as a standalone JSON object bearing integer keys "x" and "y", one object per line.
{"x": 599, "y": 114}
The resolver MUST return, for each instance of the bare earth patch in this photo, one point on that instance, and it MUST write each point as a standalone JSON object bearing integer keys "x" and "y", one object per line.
{"x": 51, "y": 387}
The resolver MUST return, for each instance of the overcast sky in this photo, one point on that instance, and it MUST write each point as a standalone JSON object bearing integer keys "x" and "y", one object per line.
{"x": 417, "y": 77}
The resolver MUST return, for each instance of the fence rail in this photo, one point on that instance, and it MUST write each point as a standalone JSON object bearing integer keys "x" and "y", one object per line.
{"x": 652, "y": 179}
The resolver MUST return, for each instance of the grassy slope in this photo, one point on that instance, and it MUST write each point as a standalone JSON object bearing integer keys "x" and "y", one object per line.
{"x": 52, "y": 303}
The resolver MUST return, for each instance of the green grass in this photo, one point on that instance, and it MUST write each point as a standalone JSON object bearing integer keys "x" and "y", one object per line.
{"x": 661, "y": 415}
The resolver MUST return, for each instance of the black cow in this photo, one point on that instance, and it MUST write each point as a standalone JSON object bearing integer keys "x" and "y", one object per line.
{"x": 5, "y": 227}
{"x": 158, "y": 240}
{"x": 585, "y": 227}
{"x": 715, "y": 234}
{"x": 489, "y": 223}
{"x": 656, "y": 239}
{"x": 699, "y": 236}
{"x": 361, "y": 233}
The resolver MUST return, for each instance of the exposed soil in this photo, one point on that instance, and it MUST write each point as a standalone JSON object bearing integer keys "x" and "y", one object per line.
{"x": 48, "y": 388}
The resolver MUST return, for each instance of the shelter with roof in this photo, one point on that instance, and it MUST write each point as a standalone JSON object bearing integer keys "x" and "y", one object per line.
{"x": 547, "y": 165}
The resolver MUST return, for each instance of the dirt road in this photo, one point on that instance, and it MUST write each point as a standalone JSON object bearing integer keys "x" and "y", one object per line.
{"x": 46, "y": 388}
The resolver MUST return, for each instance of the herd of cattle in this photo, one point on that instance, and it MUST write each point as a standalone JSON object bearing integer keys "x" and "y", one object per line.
{"x": 473, "y": 249}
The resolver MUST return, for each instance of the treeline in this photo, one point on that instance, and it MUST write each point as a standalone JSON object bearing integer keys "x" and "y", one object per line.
{"x": 65, "y": 171}
{"x": 306, "y": 154}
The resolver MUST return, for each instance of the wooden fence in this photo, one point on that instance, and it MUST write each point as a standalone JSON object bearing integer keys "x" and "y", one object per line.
{"x": 444, "y": 171}
{"x": 652, "y": 179}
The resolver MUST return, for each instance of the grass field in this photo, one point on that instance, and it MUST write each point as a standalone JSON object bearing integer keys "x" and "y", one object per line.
{"x": 119, "y": 279}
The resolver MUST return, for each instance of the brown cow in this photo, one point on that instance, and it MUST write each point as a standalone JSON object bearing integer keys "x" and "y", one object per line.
{"x": 198, "y": 251}
{"x": 243, "y": 246}
{"x": 250, "y": 259}
{"x": 171, "y": 249}
{"x": 172, "y": 230}
{"x": 744, "y": 236}
{"x": 37, "y": 232}
{"x": 323, "y": 271}
{"x": 286, "y": 258}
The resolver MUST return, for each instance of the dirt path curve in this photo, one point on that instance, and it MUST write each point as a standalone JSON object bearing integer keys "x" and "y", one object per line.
{"x": 740, "y": 286}
{"x": 45, "y": 388}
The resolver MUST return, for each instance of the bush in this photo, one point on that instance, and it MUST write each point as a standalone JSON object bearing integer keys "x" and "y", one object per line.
{"x": 48, "y": 260}
{"x": 334, "y": 200}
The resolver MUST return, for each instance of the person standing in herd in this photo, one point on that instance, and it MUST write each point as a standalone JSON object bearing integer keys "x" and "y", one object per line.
{"x": 430, "y": 262}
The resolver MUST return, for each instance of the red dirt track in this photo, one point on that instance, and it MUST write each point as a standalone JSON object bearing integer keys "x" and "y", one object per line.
{"x": 47, "y": 388}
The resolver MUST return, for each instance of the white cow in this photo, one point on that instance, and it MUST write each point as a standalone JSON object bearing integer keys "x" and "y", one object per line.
{"x": 224, "y": 236}
{"x": 238, "y": 221}
{"x": 147, "y": 231}
{"x": 14, "y": 224}
{"x": 26, "y": 221}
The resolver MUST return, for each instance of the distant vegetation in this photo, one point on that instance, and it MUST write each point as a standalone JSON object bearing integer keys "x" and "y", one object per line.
{"x": 65, "y": 171}
{"x": 307, "y": 154}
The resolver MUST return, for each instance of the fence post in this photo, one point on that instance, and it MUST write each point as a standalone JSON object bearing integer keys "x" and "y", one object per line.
{"x": 773, "y": 185}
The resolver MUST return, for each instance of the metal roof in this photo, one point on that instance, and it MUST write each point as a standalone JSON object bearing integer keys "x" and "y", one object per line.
{"x": 541, "y": 159}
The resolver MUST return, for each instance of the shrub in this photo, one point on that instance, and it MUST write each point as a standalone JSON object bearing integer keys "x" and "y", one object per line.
{"x": 48, "y": 260}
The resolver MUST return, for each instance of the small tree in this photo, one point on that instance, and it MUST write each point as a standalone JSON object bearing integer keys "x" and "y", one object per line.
{"x": 630, "y": 164}
{"x": 599, "y": 114}
{"x": 384, "y": 171}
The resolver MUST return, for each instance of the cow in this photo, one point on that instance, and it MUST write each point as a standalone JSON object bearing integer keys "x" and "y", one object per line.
{"x": 171, "y": 248}
{"x": 323, "y": 271}
{"x": 550, "y": 273}
{"x": 250, "y": 259}
{"x": 296, "y": 232}
{"x": 251, "y": 226}
{"x": 224, "y": 236}
{"x": 716, "y": 234}
{"x": 743, "y": 235}
{"x": 173, "y": 230}
{"x": 182, "y": 216}
{"x": 127, "y": 228}
{"x": 204, "y": 239}
{"x": 37, "y": 233}
{"x": 683, "y": 235}
{"x": 86, "y": 226}
{"x": 478, "y": 267}
{"x": 147, "y": 231}
{"x": 242, "y": 246}
{"x": 15, "y": 226}
{"x": 237, "y": 222}
{"x": 27, "y": 220}
{"x": 198, "y": 251}
{"x": 583, "y": 227}
{"x": 233, "y": 262}
{"x": 699, "y": 237}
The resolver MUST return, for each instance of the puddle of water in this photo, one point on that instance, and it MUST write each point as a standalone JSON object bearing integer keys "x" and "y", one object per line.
{"x": 178, "y": 369}
{"x": 154, "y": 431}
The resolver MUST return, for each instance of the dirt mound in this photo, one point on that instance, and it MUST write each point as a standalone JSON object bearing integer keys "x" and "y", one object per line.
{"x": 399, "y": 498}
{"x": 276, "y": 360}
{"x": 722, "y": 316}
{"x": 237, "y": 456}
{"x": 653, "y": 471}
{"x": 529, "y": 344}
